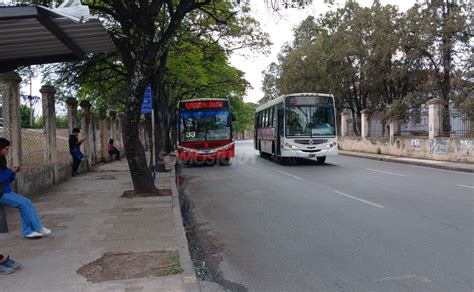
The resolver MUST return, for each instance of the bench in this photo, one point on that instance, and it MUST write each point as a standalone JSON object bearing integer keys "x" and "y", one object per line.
{"x": 113, "y": 157}
{"x": 3, "y": 220}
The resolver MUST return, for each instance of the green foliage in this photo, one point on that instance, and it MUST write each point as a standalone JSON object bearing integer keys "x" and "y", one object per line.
{"x": 25, "y": 113}
{"x": 38, "y": 123}
{"x": 62, "y": 122}
{"x": 373, "y": 57}
{"x": 397, "y": 111}
{"x": 245, "y": 113}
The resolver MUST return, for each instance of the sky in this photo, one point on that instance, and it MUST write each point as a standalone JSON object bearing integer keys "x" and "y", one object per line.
{"x": 280, "y": 30}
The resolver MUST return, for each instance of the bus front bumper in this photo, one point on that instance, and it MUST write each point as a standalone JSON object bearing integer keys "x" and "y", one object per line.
{"x": 187, "y": 154}
{"x": 309, "y": 155}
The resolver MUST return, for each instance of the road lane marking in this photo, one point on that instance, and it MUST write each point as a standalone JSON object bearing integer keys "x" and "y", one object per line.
{"x": 388, "y": 172}
{"x": 289, "y": 174}
{"x": 359, "y": 199}
{"x": 464, "y": 186}
{"x": 404, "y": 277}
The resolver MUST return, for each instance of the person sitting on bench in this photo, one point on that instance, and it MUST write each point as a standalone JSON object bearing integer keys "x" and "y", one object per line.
{"x": 32, "y": 228}
{"x": 112, "y": 149}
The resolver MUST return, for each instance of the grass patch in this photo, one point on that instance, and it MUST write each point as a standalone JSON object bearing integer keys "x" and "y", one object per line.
{"x": 174, "y": 268}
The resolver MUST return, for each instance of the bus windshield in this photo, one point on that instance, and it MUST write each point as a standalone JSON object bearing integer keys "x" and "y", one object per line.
{"x": 310, "y": 120}
{"x": 204, "y": 125}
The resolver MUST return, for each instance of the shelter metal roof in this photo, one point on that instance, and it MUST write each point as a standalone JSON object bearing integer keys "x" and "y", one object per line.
{"x": 32, "y": 35}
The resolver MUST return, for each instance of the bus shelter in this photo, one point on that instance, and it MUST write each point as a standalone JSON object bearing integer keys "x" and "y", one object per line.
{"x": 33, "y": 35}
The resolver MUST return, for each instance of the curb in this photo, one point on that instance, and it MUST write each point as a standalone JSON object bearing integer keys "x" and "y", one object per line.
{"x": 190, "y": 282}
{"x": 397, "y": 160}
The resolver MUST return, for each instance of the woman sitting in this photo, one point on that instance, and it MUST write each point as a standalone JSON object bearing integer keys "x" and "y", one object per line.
{"x": 32, "y": 227}
{"x": 112, "y": 149}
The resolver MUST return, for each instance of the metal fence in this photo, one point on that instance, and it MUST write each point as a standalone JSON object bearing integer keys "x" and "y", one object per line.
{"x": 416, "y": 123}
{"x": 353, "y": 126}
{"x": 460, "y": 125}
{"x": 32, "y": 134}
{"x": 377, "y": 126}
{"x": 62, "y": 135}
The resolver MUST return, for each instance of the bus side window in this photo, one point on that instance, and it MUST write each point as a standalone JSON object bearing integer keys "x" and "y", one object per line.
{"x": 265, "y": 118}
{"x": 275, "y": 116}
{"x": 270, "y": 117}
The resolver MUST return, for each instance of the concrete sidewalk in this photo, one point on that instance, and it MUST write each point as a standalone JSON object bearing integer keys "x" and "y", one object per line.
{"x": 88, "y": 217}
{"x": 447, "y": 165}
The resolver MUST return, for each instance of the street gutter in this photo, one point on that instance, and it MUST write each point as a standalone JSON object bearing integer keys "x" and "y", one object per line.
{"x": 446, "y": 165}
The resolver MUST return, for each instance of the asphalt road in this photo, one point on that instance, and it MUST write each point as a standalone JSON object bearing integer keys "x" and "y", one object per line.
{"x": 350, "y": 225}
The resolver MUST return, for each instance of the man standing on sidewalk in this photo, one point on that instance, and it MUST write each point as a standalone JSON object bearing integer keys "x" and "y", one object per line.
{"x": 77, "y": 156}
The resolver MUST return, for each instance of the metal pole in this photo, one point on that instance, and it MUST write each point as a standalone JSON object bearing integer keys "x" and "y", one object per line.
{"x": 153, "y": 142}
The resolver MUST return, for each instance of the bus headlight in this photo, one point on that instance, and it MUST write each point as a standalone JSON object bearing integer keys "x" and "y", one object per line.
{"x": 330, "y": 145}
{"x": 290, "y": 146}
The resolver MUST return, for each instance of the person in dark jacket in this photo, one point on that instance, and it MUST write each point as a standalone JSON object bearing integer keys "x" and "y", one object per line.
{"x": 74, "y": 149}
{"x": 30, "y": 221}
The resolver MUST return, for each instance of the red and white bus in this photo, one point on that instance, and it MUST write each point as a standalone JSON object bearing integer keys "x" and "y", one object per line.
{"x": 205, "y": 130}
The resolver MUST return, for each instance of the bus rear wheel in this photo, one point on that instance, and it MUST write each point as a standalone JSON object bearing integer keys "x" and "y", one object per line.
{"x": 321, "y": 160}
{"x": 225, "y": 161}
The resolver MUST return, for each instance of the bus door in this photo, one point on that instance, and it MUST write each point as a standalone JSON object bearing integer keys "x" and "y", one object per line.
{"x": 255, "y": 142}
{"x": 279, "y": 128}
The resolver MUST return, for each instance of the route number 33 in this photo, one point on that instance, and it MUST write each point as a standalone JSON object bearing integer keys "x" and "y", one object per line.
{"x": 190, "y": 134}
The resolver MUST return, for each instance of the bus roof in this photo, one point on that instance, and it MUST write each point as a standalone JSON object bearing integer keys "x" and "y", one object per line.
{"x": 204, "y": 99}
{"x": 281, "y": 99}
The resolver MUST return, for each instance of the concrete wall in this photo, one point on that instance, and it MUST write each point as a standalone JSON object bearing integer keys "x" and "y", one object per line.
{"x": 448, "y": 149}
{"x": 31, "y": 183}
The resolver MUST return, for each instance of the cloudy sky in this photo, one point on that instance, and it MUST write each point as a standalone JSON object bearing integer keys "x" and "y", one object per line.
{"x": 280, "y": 31}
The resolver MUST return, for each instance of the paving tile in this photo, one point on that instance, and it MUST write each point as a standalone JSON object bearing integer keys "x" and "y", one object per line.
{"x": 88, "y": 218}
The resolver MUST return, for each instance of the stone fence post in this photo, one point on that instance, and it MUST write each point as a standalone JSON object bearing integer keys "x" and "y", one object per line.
{"x": 119, "y": 131}
{"x": 395, "y": 129}
{"x": 344, "y": 120}
{"x": 93, "y": 137}
{"x": 435, "y": 117}
{"x": 49, "y": 129}
{"x": 113, "y": 124}
{"x": 365, "y": 123}
{"x": 10, "y": 92}
{"x": 71, "y": 113}
{"x": 103, "y": 136}
{"x": 86, "y": 130}
{"x": 10, "y": 95}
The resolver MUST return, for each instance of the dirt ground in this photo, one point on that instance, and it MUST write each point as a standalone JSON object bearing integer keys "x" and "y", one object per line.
{"x": 121, "y": 266}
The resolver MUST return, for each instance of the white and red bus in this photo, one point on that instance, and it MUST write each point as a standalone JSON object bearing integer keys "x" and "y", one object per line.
{"x": 205, "y": 130}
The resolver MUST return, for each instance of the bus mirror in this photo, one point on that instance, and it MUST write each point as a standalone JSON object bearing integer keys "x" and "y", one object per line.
{"x": 280, "y": 113}
{"x": 234, "y": 117}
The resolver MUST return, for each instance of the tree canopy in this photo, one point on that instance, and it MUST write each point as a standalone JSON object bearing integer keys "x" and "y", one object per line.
{"x": 370, "y": 57}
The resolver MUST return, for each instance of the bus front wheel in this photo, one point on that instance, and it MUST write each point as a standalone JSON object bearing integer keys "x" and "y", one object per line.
{"x": 321, "y": 160}
{"x": 225, "y": 161}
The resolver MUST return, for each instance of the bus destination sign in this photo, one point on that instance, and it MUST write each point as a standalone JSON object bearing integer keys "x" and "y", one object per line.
{"x": 308, "y": 100}
{"x": 203, "y": 104}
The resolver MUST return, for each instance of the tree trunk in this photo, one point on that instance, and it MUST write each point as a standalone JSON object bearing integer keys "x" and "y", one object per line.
{"x": 446, "y": 76}
{"x": 173, "y": 127}
{"x": 169, "y": 126}
{"x": 149, "y": 138}
{"x": 134, "y": 150}
{"x": 161, "y": 115}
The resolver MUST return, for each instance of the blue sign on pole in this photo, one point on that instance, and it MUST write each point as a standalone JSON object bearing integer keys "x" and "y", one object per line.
{"x": 147, "y": 103}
